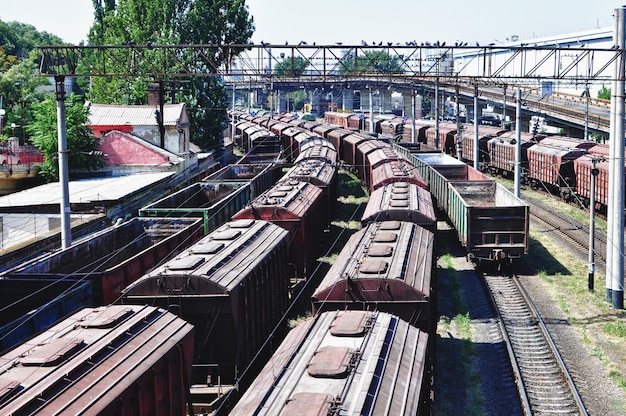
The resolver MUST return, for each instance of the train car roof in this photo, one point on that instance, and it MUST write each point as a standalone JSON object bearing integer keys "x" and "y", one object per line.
{"x": 216, "y": 264}
{"x": 72, "y": 368}
{"x": 375, "y": 360}
{"x": 395, "y": 171}
{"x": 316, "y": 171}
{"x": 318, "y": 149}
{"x": 287, "y": 200}
{"x": 401, "y": 201}
{"x": 400, "y": 253}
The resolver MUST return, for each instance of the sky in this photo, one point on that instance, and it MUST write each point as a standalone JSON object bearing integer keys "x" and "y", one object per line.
{"x": 351, "y": 21}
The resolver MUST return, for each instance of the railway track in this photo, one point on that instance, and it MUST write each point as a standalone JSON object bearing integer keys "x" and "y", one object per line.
{"x": 571, "y": 229}
{"x": 544, "y": 383}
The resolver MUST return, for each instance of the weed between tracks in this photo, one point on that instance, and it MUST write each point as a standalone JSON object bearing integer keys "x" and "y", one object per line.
{"x": 456, "y": 375}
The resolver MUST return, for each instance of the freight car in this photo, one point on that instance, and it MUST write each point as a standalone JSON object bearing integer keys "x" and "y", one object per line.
{"x": 32, "y": 305}
{"x": 114, "y": 258}
{"x": 551, "y": 164}
{"x": 491, "y": 223}
{"x": 297, "y": 207}
{"x": 340, "y": 362}
{"x": 232, "y": 286}
{"x": 216, "y": 198}
{"x": 114, "y": 360}
{"x": 387, "y": 266}
{"x": 401, "y": 201}
{"x": 502, "y": 153}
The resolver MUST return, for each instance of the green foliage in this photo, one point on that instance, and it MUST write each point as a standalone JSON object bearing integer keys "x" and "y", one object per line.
{"x": 81, "y": 143}
{"x": 293, "y": 67}
{"x": 371, "y": 62}
{"x": 604, "y": 93}
{"x": 173, "y": 22}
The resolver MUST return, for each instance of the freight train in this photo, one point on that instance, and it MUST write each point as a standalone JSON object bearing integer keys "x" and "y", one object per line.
{"x": 234, "y": 283}
{"x": 564, "y": 166}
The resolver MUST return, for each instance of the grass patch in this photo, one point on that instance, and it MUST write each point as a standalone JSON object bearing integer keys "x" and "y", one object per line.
{"x": 616, "y": 329}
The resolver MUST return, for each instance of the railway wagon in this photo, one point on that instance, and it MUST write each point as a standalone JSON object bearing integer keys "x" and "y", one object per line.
{"x": 551, "y": 164}
{"x": 318, "y": 148}
{"x": 296, "y": 206}
{"x": 393, "y": 127}
{"x": 376, "y": 157}
{"x": 260, "y": 176}
{"x": 214, "y": 203}
{"x": 217, "y": 197}
{"x": 342, "y": 362}
{"x": 597, "y": 158}
{"x": 115, "y": 257}
{"x": 288, "y": 141}
{"x": 363, "y": 149}
{"x": 386, "y": 266}
{"x": 32, "y": 305}
{"x": 114, "y": 360}
{"x": 232, "y": 286}
{"x": 395, "y": 171}
{"x": 336, "y": 138}
{"x": 338, "y": 119}
{"x": 401, "y": 201}
{"x": 502, "y": 152}
{"x": 349, "y": 148}
{"x": 421, "y": 126}
{"x": 321, "y": 174}
{"x": 447, "y": 137}
{"x": 438, "y": 169}
{"x": 485, "y": 133}
{"x": 323, "y": 129}
{"x": 491, "y": 223}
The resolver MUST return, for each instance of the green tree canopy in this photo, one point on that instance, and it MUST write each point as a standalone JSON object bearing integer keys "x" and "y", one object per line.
{"x": 172, "y": 22}
{"x": 293, "y": 67}
{"x": 370, "y": 62}
{"x": 81, "y": 143}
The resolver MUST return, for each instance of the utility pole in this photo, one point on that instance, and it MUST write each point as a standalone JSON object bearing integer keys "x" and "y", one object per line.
{"x": 476, "y": 153}
{"x": 66, "y": 227}
{"x": 518, "y": 143}
{"x": 459, "y": 137}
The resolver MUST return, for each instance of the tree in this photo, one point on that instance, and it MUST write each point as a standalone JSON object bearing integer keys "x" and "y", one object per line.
{"x": 371, "y": 62}
{"x": 293, "y": 67}
{"x": 173, "y": 22}
{"x": 604, "y": 93}
{"x": 81, "y": 143}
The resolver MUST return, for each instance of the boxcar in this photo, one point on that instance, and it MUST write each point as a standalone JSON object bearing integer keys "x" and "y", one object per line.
{"x": 323, "y": 129}
{"x": 502, "y": 152}
{"x": 116, "y": 360}
{"x": 297, "y": 207}
{"x": 360, "y": 362}
{"x": 115, "y": 257}
{"x": 485, "y": 133}
{"x": 32, "y": 305}
{"x": 598, "y": 158}
{"x": 551, "y": 163}
{"x": 318, "y": 148}
{"x": 395, "y": 171}
{"x": 321, "y": 174}
{"x": 338, "y": 119}
{"x": 447, "y": 137}
{"x": 377, "y": 157}
{"x": 401, "y": 201}
{"x": 336, "y": 138}
{"x": 363, "y": 149}
{"x": 387, "y": 266}
{"x": 349, "y": 147}
{"x": 232, "y": 286}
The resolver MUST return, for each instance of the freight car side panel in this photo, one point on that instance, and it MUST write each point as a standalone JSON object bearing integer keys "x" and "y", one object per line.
{"x": 491, "y": 222}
